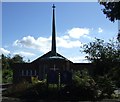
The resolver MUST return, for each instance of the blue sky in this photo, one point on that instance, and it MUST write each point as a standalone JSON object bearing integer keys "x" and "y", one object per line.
{"x": 26, "y": 28}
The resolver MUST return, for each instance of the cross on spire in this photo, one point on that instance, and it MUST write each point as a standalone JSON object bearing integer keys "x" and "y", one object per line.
{"x": 53, "y": 6}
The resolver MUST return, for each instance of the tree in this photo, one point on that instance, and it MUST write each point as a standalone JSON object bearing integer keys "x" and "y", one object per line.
{"x": 18, "y": 59}
{"x": 83, "y": 87}
{"x": 111, "y": 10}
{"x": 106, "y": 86}
{"x": 118, "y": 37}
{"x": 105, "y": 55}
{"x": 7, "y": 63}
{"x": 7, "y": 76}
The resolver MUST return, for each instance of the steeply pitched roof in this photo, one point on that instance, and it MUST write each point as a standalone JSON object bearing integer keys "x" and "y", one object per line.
{"x": 51, "y": 56}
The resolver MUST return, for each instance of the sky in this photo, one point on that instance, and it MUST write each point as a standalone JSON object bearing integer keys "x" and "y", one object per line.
{"x": 26, "y": 28}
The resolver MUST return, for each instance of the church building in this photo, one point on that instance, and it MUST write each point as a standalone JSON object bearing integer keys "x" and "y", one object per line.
{"x": 49, "y": 61}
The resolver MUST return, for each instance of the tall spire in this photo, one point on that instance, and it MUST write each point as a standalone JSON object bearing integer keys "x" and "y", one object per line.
{"x": 53, "y": 49}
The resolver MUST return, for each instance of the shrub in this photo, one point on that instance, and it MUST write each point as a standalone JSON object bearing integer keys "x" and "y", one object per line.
{"x": 83, "y": 87}
{"x": 7, "y": 76}
{"x": 106, "y": 85}
{"x": 16, "y": 89}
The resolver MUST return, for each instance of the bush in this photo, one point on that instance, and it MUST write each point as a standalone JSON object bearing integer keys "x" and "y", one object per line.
{"x": 106, "y": 86}
{"x": 16, "y": 89}
{"x": 83, "y": 87}
{"x": 7, "y": 76}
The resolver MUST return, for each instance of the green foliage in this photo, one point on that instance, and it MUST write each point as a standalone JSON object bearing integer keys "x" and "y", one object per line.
{"x": 81, "y": 78}
{"x": 83, "y": 87}
{"x": 106, "y": 86}
{"x": 105, "y": 55}
{"x": 115, "y": 75}
{"x": 111, "y": 9}
{"x": 7, "y": 63}
{"x": 7, "y": 76}
{"x": 35, "y": 80}
{"x": 17, "y": 89}
{"x": 25, "y": 90}
{"x": 18, "y": 59}
{"x": 22, "y": 86}
{"x": 118, "y": 37}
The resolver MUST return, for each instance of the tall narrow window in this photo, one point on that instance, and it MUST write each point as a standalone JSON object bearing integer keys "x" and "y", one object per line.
{"x": 26, "y": 72}
{"x": 35, "y": 72}
{"x": 22, "y": 72}
{"x": 19, "y": 72}
{"x": 30, "y": 72}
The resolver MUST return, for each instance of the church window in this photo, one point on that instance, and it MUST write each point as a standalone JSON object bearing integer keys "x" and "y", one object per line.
{"x": 22, "y": 72}
{"x": 30, "y": 72}
{"x": 26, "y": 72}
{"x": 35, "y": 72}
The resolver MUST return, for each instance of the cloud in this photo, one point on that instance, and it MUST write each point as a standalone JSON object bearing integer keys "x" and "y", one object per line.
{"x": 4, "y": 51}
{"x": 100, "y": 30}
{"x": 42, "y": 44}
{"x": 88, "y": 37}
{"x": 26, "y": 54}
{"x": 68, "y": 43}
{"x": 78, "y": 32}
{"x": 78, "y": 59}
{"x": 66, "y": 37}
